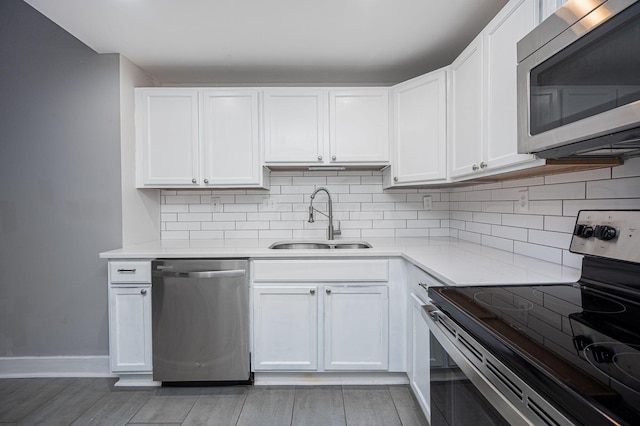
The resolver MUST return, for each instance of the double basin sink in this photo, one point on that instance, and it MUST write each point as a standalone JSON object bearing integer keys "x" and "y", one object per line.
{"x": 319, "y": 245}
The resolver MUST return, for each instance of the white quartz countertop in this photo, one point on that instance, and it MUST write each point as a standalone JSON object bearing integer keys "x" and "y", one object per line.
{"x": 452, "y": 261}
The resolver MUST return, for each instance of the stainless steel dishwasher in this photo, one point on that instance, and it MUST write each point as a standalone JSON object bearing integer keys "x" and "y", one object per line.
{"x": 200, "y": 319}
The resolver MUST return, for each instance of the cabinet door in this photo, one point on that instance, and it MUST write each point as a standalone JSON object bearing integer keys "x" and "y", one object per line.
{"x": 419, "y": 110}
{"x": 285, "y": 324}
{"x": 166, "y": 137}
{"x": 356, "y": 328}
{"x": 295, "y": 125}
{"x": 420, "y": 375}
{"x": 466, "y": 110}
{"x": 501, "y": 134}
{"x": 130, "y": 329}
{"x": 230, "y": 137}
{"x": 359, "y": 125}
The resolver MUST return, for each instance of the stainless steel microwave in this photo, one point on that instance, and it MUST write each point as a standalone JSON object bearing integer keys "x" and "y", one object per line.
{"x": 578, "y": 80}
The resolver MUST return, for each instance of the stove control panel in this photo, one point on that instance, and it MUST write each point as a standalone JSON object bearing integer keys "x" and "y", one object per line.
{"x": 614, "y": 234}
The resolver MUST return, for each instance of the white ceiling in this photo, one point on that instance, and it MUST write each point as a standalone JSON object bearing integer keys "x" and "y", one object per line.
{"x": 276, "y": 41}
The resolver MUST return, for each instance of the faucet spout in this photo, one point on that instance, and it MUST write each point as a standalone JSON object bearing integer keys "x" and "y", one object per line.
{"x": 331, "y": 231}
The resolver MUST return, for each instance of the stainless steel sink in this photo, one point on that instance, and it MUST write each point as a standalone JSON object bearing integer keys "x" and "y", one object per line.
{"x": 359, "y": 245}
{"x": 319, "y": 245}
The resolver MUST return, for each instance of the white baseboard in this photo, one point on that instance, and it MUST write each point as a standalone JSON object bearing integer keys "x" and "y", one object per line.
{"x": 324, "y": 378}
{"x": 55, "y": 366}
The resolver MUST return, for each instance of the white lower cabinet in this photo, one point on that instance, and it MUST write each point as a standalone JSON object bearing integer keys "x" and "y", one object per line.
{"x": 130, "y": 328}
{"x": 290, "y": 330}
{"x": 420, "y": 362}
{"x": 285, "y": 328}
{"x": 356, "y": 328}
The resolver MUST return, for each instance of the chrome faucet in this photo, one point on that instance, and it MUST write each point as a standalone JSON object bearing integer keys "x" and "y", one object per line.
{"x": 331, "y": 232}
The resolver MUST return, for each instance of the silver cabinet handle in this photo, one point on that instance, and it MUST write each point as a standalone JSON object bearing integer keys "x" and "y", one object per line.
{"x": 143, "y": 291}
{"x": 206, "y": 181}
{"x": 205, "y": 274}
{"x": 328, "y": 291}
{"x": 127, "y": 271}
{"x": 483, "y": 165}
{"x": 474, "y": 167}
{"x": 319, "y": 157}
{"x": 312, "y": 292}
{"x": 194, "y": 180}
{"x": 395, "y": 178}
{"x": 333, "y": 158}
{"x": 423, "y": 285}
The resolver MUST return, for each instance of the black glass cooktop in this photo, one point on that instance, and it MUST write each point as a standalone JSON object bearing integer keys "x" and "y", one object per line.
{"x": 576, "y": 344}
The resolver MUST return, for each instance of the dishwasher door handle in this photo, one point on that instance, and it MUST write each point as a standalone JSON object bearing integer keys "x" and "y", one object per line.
{"x": 206, "y": 274}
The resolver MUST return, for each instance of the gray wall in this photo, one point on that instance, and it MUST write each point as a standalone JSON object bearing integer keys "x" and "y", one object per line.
{"x": 60, "y": 197}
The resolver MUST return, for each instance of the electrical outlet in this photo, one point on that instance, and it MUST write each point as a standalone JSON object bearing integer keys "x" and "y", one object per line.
{"x": 427, "y": 202}
{"x": 216, "y": 205}
{"x": 523, "y": 201}
{"x": 269, "y": 204}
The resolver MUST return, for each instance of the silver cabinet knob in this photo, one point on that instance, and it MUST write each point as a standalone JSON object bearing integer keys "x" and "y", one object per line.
{"x": 319, "y": 157}
{"x": 333, "y": 158}
{"x": 474, "y": 167}
{"x": 194, "y": 180}
{"x": 206, "y": 181}
{"x": 143, "y": 291}
{"x": 395, "y": 178}
{"x": 312, "y": 292}
{"x": 328, "y": 291}
{"x": 483, "y": 165}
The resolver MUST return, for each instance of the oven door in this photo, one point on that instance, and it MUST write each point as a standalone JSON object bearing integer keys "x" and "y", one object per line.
{"x": 470, "y": 387}
{"x": 583, "y": 85}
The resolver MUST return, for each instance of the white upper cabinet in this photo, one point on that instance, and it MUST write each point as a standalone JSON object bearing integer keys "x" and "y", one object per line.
{"x": 500, "y": 96}
{"x": 188, "y": 138}
{"x": 483, "y": 137}
{"x": 465, "y": 114}
{"x": 167, "y": 137}
{"x": 317, "y": 126}
{"x": 230, "y": 138}
{"x": 295, "y": 125}
{"x": 419, "y": 129}
{"x": 359, "y": 125}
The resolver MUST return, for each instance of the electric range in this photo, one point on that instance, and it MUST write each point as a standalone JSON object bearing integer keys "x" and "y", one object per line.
{"x": 576, "y": 346}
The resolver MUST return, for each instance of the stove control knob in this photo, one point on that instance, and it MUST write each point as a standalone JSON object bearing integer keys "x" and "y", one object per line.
{"x": 605, "y": 233}
{"x": 602, "y": 355}
{"x": 580, "y": 342}
{"x": 583, "y": 231}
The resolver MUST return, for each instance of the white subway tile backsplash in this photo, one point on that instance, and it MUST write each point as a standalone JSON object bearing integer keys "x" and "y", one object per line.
{"x": 414, "y": 232}
{"x": 571, "y": 207}
{"x": 495, "y": 242}
{"x": 512, "y": 233}
{"x": 493, "y": 218}
{"x": 584, "y": 175}
{"x": 404, "y": 214}
{"x": 479, "y": 228}
{"x": 614, "y": 188}
{"x": 194, "y": 217}
{"x": 559, "y": 223}
{"x": 206, "y": 235}
{"x": 549, "y": 254}
{"x": 561, "y": 191}
{"x": 549, "y": 238}
{"x": 424, "y": 224}
{"x": 631, "y": 167}
{"x": 484, "y": 214}
{"x": 523, "y": 221}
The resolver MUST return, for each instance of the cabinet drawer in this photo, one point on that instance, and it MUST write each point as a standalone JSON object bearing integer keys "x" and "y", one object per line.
{"x": 130, "y": 272}
{"x": 320, "y": 270}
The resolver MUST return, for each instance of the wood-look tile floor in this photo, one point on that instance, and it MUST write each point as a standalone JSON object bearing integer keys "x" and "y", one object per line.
{"x": 94, "y": 401}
